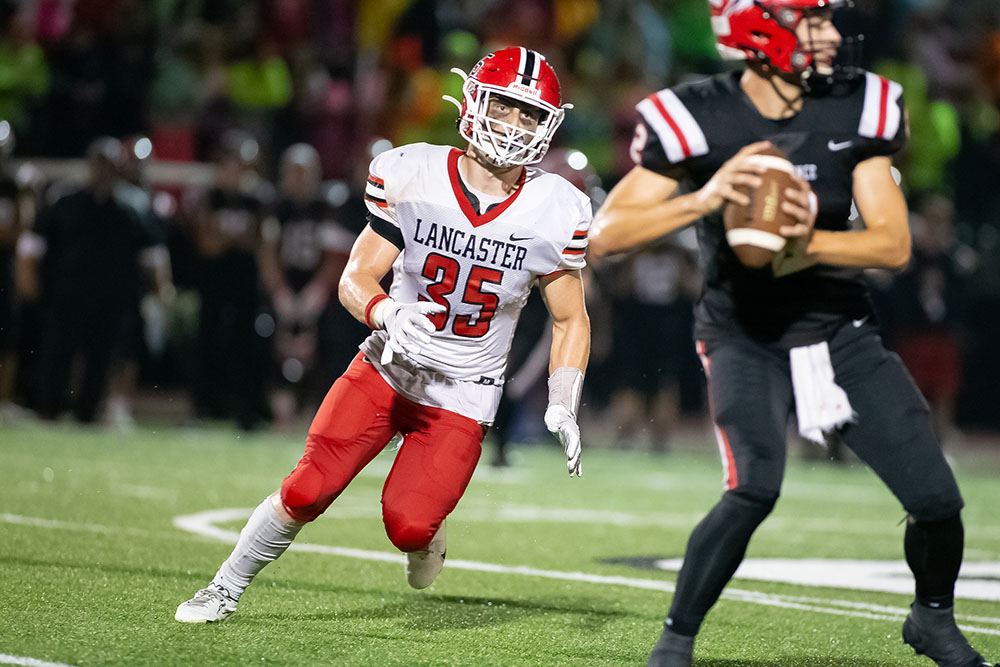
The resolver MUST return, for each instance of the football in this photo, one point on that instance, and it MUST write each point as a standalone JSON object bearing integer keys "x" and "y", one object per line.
{"x": 752, "y": 231}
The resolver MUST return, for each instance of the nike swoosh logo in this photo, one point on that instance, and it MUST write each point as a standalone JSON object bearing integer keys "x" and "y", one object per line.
{"x": 520, "y": 238}
{"x": 857, "y": 323}
{"x": 838, "y": 145}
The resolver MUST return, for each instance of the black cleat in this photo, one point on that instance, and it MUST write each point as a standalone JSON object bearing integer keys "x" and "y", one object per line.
{"x": 673, "y": 650}
{"x": 934, "y": 633}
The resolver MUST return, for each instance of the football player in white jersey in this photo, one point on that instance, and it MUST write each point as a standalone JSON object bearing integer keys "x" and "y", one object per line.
{"x": 466, "y": 234}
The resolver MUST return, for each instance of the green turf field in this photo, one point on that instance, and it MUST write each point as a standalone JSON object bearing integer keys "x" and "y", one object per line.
{"x": 101, "y": 536}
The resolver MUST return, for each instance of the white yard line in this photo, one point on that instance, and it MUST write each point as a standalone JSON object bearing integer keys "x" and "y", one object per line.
{"x": 28, "y": 662}
{"x": 37, "y": 522}
{"x": 203, "y": 524}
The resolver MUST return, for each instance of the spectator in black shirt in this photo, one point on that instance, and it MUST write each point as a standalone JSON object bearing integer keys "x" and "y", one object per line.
{"x": 83, "y": 262}
{"x": 231, "y": 350}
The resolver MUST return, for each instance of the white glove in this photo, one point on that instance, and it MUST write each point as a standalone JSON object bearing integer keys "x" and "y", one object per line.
{"x": 563, "y": 425}
{"x": 407, "y": 325}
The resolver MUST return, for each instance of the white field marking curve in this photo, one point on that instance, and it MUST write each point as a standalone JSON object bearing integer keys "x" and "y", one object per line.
{"x": 356, "y": 508}
{"x": 28, "y": 662}
{"x": 203, "y": 524}
{"x": 977, "y": 581}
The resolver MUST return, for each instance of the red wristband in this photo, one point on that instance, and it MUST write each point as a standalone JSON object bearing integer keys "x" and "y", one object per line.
{"x": 371, "y": 304}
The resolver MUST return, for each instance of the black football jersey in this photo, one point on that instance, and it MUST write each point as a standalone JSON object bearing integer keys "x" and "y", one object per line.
{"x": 689, "y": 131}
{"x": 308, "y": 229}
{"x": 238, "y": 214}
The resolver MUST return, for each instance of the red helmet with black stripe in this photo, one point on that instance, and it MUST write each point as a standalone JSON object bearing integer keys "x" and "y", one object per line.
{"x": 525, "y": 76}
{"x": 764, "y": 31}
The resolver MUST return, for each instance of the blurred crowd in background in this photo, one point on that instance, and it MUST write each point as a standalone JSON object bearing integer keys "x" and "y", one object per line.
{"x": 182, "y": 184}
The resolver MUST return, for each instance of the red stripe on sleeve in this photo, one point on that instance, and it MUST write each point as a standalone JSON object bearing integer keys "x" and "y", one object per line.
{"x": 883, "y": 106}
{"x": 670, "y": 121}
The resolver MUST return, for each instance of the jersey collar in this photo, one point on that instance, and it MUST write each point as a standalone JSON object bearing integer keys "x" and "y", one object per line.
{"x": 463, "y": 202}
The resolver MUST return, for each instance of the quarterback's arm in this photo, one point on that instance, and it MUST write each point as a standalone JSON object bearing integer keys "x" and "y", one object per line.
{"x": 563, "y": 296}
{"x": 371, "y": 258}
{"x": 885, "y": 241}
{"x": 641, "y": 207}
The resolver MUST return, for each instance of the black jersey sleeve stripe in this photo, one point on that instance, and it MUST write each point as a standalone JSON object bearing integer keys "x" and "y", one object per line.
{"x": 386, "y": 230}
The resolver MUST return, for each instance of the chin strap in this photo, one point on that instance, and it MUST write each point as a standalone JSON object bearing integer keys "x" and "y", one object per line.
{"x": 790, "y": 102}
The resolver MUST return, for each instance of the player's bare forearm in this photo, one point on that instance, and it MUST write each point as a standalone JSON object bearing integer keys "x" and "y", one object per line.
{"x": 564, "y": 298}
{"x": 357, "y": 289}
{"x": 622, "y": 228}
{"x": 867, "y": 249}
{"x": 638, "y": 210}
{"x": 570, "y": 344}
{"x": 885, "y": 241}
{"x": 371, "y": 258}
{"x": 643, "y": 208}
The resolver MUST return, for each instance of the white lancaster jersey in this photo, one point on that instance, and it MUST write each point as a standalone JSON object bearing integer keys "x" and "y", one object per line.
{"x": 480, "y": 266}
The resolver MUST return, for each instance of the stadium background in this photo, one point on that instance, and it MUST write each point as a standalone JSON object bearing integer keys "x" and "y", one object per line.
{"x": 352, "y": 77}
{"x": 103, "y": 531}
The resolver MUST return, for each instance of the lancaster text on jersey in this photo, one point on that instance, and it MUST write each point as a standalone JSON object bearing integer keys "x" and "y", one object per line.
{"x": 468, "y": 245}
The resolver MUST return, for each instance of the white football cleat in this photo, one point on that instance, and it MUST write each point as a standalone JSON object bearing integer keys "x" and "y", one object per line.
{"x": 208, "y": 605}
{"x": 423, "y": 567}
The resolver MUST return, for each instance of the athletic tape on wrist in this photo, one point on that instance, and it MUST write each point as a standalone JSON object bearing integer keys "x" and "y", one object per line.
{"x": 565, "y": 388}
{"x": 375, "y": 300}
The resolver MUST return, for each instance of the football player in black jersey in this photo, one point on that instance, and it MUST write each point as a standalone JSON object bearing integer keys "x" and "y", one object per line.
{"x": 770, "y": 338}
{"x": 305, "y": 249}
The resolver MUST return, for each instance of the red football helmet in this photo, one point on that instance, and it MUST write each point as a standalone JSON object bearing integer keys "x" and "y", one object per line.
{"x": 764, "y": 31}
{"x": 525, "y": 76}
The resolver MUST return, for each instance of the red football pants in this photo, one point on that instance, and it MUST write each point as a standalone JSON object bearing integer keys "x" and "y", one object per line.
{"x": 359, "y": 415}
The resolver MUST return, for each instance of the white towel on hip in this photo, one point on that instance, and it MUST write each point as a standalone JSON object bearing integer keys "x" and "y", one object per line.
{"x": 820, "y": 404}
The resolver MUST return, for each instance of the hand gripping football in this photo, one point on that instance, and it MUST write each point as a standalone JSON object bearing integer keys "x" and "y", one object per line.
{"x": 752, "y": 231}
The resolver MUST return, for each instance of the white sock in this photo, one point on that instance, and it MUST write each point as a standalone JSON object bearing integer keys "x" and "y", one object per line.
{"x": 262, "y": 540}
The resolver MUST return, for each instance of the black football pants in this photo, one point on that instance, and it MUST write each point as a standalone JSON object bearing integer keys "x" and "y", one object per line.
{"x": 752, "y": 400}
